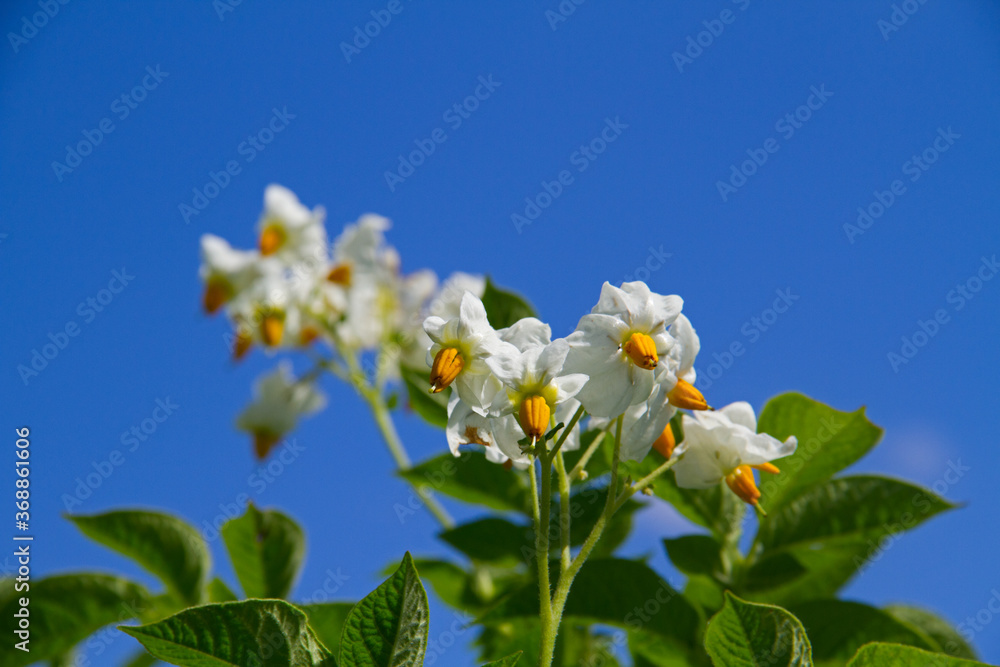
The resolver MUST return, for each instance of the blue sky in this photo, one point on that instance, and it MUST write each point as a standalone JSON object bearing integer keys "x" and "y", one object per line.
{"x": 833, "y": 101}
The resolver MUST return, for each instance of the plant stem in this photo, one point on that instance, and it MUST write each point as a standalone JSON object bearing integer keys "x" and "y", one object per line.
{"x": 543, "y": 505}
{"x": 566, "y": 579}
{"x": 564, "y": 518}
{"x": 388, "y": 429}
{"x": 645, "y": 481}
{"x": 585, "y": 459}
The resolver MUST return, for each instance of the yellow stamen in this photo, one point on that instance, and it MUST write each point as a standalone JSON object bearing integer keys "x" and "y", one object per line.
{"x": 340, "y": 274}
{"x": 448, "y": 363}
{"x": 641, "y": 349}
{"x": 272, "y": 329}
{"x": 534, "y": 416}
{"x": 263, "y": 443}
{"x": 308, "y": 335}
{"x": 767, "y": 467}
{"x": 217, "y": 293}
{"x": 242, "y": 344}
{"x": 742, "y": 483}
{"x": 666, "y": 442}
{"x": 271, "y": 239}
{"x": 686, "y": 397}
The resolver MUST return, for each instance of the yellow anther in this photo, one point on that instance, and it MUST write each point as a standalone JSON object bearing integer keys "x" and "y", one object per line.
{"x": 263, "y": 443}
{"x": 271, "y": 239}
{"x": 242, "y": 344}
{"x": 767, "y": 467}
{"x": 666, "y": 442}
{"x": 340, "y": 274}
{"x": 742, "y": 483}
{"x": 686, "y": 397}
{"x": 448, "y": 363}
{"x": 217, "y": 293}
{"x": 641, "y": 349}
{"x": 534, "y": 416}
{"x": 308, "y": 335}
{"x": 272, "y": 329}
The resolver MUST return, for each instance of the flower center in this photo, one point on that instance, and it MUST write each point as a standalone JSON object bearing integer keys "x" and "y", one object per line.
{"x": 272, "y": 238}
{"x": 217, "y": 293}
{"x": 534, "y": 416}
{"x": 448, "y": 363}
{"x": 666, "y": 442}
{"x": 641, "y": 349}
{"x": 686, "y": 397}
{"x": 272, "y": 329}
{"x": 340, "y": 274}
{"x": 743, "y": 485}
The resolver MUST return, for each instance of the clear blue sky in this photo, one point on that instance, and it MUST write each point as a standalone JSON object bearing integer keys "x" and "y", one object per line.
{"x": 879, "y": 97}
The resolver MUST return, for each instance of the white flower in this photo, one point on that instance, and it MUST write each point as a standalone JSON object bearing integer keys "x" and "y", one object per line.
{"x": 685, "y": 349}
{"x": 289, "y": 231}
{"x": 724, "y": 445}
{"x": 279, "y": 402}
{"x": 468, "y": 427}
{"x": 459, "y": 352}
{"x": 225, "y": 271}
{"x": 534, "y": 386}
{"x": 526, "y": 333}
{"x": 446, "y": 302}
{"x": 642, "y": 424}
{"x": 619, "y": 346}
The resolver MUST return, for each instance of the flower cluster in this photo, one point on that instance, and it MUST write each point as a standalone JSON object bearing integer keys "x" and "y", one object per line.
{"x": 297, "y": 291}
{"x": 628, "y": 366}
{"x": 629, "y": 362}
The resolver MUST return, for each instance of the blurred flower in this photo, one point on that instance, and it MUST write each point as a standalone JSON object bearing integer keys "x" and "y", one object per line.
{"x": 279, "y": 402}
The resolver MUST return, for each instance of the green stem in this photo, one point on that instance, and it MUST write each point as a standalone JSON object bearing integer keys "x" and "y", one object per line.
{"x": 585, "y": 459}
{"x": 388, "y": 429}
{"x": 543, "y": 503}
{"x": 568, "y": 428}
{"x": 567, "y": 577}
{"x": 564, "y": 517}
{"x": 645, "y": 481}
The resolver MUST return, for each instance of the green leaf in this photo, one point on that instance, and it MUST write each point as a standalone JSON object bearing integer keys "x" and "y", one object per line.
{"x": 218, "y": 591}
{"x": 450, "y": 582}
{"x": 66, "y": 609}
{"x": 619, "y": 592}
{"x": 165, "y": 545}
{"x": 837, "y": 629}
{"x": 509, "y": 661}
{"x": 695, "y": 554}
{"x": 941, "y": 632}
{"x": 389, "y": 627}
{"x": 140, "y": 659}
{"x": 432, "y": 407}
{"x": 894, "y": 655}
{"x": 743, "y": 633}
{"x": 267, "y": 549}
{"x": 504, "y": 308}
{"x": 327, "y": 621}
{"x": 829, "y": 441}
{"x": 492, "y": 540}
{"x": 834, "y": 529}
{"x": 263, "y": 633}
{"x": 473, "y": 479}
{"x": 510, "y": 636}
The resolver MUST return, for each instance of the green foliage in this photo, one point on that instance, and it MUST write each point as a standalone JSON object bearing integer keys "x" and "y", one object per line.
{"x": 821, "y": 530}
{"x": 472, "y": 479}
{"x": 893, "y": 655}
{"x": 432, "y": 407}
{"x": 253, "y": 632}
{"x": 166, "y": 546}
{"x": 829, "y": 441}
{"x": 267, "y": 549}
{"x": 64, "y": 610}
{"x": 327, "y": 621}
{"x": 504, "y": 308}
{"x": 389, "y": 627}
{"x": 833, "y": 530}
{"x": 743, "y": 633}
